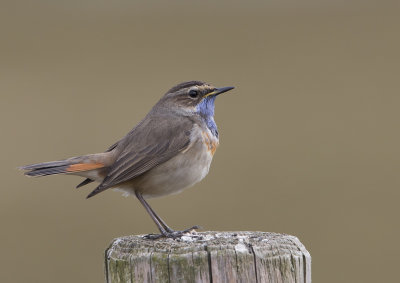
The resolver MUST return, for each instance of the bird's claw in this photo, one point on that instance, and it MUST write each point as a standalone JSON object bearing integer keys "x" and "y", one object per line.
{"x": 171, "y": 234}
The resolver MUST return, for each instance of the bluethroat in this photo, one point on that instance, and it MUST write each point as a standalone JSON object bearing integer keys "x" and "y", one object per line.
{"x": 169, "y": 150}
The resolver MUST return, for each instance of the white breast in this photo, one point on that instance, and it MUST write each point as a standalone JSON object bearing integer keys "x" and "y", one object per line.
{"x": 181, "y": 171}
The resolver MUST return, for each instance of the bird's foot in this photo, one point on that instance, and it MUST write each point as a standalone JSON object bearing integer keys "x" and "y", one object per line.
{"x": 171, "y": 234}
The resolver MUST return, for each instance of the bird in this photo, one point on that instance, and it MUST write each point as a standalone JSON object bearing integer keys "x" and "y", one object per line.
{"x": 169, "y": 150}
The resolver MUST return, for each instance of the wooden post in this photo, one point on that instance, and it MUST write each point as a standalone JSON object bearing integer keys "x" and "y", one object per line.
{"x": 209, "y": 257}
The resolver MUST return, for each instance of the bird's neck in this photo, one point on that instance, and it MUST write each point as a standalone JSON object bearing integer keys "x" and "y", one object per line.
{"x": 206, "y": 111}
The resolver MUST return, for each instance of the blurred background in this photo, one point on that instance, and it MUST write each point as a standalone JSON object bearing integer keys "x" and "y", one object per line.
{"x": 309, "y": 137}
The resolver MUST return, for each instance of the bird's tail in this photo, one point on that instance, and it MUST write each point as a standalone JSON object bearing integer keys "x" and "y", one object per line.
{"x": 72, "y": 165}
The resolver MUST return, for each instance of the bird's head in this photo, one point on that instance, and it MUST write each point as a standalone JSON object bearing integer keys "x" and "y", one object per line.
{"x": 194, "y": 97}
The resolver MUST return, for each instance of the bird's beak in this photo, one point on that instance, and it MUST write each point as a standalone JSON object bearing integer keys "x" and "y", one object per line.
{"x": 219, "y": 90}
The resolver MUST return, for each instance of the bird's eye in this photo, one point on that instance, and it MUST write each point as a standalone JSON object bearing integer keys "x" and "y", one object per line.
{"x": 193, "y": 93}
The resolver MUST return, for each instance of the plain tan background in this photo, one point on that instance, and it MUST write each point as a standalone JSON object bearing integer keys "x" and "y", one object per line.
{"x": 309, "y": 137}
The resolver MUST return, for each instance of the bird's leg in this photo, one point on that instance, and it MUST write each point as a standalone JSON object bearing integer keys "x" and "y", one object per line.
{"x": 162, "y": 226}
{"x": 157, "y": 219}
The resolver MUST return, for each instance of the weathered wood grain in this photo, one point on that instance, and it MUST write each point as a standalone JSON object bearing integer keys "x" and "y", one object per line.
{"x": 209, "y": 257}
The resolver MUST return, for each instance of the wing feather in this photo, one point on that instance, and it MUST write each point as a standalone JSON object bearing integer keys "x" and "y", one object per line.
{"x": 154, "y": 141}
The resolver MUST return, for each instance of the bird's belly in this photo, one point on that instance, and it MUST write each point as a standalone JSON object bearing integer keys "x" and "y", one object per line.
{"x": 177, "y": 174}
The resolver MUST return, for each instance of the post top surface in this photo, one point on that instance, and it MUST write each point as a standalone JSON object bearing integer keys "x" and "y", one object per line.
{"x": 242, "y": 241}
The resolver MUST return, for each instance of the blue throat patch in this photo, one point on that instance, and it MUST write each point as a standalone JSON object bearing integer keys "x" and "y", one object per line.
{"x": 206, "y": 110}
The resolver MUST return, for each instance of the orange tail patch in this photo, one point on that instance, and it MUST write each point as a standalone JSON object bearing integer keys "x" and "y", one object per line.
{"x": 84, "y": 167}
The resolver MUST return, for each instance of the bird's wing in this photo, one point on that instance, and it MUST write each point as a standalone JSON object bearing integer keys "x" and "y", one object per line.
{"x": 152, "y": 142}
